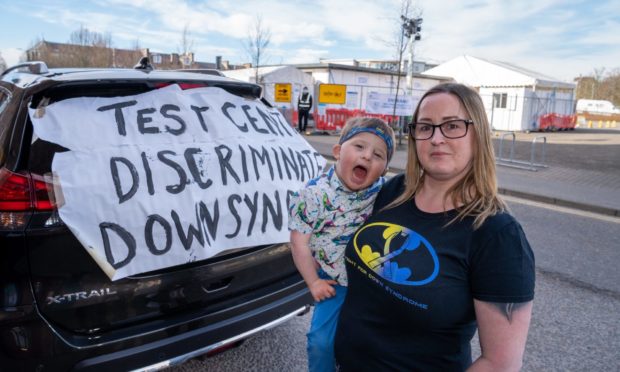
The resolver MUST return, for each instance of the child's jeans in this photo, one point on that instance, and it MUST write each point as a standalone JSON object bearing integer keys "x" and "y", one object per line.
{"x": 323, "y": 330}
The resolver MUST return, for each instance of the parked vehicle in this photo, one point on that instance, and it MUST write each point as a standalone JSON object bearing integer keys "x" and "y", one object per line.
{"x": 595, "y": 106}
{"x": 58, "y": 309}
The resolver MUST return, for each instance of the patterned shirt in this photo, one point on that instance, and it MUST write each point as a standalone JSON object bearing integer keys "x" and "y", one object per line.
{"x": 332, "y": 213}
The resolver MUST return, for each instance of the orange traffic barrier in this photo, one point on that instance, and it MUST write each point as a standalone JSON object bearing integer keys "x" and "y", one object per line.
{"x": 335, "y": 118}
{"x": 553, "y": 121}
{"x": 294, "y": 118}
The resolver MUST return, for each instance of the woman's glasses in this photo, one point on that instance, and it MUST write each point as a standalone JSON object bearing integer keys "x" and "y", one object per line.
{"x": 455, "y": 128}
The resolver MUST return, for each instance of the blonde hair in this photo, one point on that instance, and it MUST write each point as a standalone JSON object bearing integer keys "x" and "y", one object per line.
{"x": 476, "y": 193}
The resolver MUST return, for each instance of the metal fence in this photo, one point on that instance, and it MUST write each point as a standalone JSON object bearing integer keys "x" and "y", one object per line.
{"x": 511, "y": 112}
{"x": 525, "y": 113}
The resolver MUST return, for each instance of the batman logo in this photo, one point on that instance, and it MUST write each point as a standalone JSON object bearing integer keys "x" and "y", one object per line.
{"x": 396, "y": 253}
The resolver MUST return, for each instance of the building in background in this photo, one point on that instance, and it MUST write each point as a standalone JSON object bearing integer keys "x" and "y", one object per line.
{"x": 382, "y": 64}
{"x": 365, "y": 87}
{"x": 361, "y": 81}
{"x": 281, "y": 84}
{"x": 515, "y": 98}
{"x": 73, "y": 55}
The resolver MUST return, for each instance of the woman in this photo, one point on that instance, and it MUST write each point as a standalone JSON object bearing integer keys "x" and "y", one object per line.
{"x": 440, "y": 255}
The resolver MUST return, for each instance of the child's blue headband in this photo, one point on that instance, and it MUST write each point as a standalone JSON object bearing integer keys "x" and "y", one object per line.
{"x": 374, "y": 130}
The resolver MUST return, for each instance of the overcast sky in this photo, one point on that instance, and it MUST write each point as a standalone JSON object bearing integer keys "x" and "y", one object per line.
{"x": 559, "y": 38}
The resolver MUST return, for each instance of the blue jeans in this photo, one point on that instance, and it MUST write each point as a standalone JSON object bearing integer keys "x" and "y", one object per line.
{"x": 323, "y": 330}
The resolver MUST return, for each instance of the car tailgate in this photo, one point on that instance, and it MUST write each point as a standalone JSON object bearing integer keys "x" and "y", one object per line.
{"x": 76, "y": 296}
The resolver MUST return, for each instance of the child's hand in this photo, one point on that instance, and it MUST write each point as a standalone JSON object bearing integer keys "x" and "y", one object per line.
{"x": 322, "y": 289}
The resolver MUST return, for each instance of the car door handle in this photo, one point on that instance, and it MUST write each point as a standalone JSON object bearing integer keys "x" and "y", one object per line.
{"x": 218, "y": 285}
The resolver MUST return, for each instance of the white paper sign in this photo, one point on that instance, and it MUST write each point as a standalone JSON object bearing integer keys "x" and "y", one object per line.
{"x": 380, "y": 103}
{"x": 173, "y": 176}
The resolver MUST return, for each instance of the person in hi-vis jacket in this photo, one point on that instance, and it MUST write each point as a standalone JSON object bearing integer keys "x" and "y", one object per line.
{"x": 304, "y": 104}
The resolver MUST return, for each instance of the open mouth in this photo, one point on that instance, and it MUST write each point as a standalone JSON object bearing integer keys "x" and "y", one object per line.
{"x": 360, "y": 172}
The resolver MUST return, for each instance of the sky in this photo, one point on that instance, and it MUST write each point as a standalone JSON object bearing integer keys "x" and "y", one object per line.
{"x": 558, "y": 38}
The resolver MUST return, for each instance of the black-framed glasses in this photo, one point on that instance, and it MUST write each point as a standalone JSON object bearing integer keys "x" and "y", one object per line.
{"x": 454, "y": 128}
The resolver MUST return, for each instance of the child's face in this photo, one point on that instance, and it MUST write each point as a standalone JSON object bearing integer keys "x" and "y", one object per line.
{"x": 360, "y": 160}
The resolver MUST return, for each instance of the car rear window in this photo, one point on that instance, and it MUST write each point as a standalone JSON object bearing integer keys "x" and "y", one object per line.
{"x": 42, "y": 152}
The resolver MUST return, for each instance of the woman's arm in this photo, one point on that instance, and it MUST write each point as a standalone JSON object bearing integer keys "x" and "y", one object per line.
{"x": 306, "y": 265}
{"x": 502, "y": 330}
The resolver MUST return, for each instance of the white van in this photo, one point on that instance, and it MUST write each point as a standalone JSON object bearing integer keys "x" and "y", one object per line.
{"x": 595, "y": 106}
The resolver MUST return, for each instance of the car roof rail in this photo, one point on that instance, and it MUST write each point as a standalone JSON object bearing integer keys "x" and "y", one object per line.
{"x": 144, "y": 64}
{"x": 34, "y": 67}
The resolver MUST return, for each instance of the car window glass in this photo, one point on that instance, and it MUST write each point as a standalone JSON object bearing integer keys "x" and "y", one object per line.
{"x": 5, "y": 95}
{"x": 4, "y": 99}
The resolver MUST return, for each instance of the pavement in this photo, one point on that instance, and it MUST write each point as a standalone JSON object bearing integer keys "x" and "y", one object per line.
{"x": 582, "y": 168}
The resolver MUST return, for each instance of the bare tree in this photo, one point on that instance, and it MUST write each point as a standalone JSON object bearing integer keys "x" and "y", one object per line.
{"x": 405, "y": 10}
{"x": 611, "y": 86}
{"x": 598, "y": 77}
{"x": 406, "y": 13}
{"x": 83, "y": 36}
{"x": 91, "y": 49}
{"x": 128, "y": 58}
{"x": 50, "y": 53}
{"x": 600, "y": 85}
{"x": 84, "y": 49}
{"x": 186, "y": 45}
{"x": 392, "y": 38}
{"x": 257, "y": 42}
{"x": 136, "y": 44}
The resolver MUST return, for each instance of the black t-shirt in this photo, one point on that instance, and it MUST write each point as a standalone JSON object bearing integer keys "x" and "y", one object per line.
{"x": 412, "y": 281}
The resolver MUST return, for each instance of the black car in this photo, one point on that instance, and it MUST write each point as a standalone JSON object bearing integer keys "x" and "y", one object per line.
{"x": 59, "y": 310}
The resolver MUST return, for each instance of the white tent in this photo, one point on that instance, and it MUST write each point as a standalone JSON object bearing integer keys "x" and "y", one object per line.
{"x": 515, "y": 98}
{"x": 269, "y": 76}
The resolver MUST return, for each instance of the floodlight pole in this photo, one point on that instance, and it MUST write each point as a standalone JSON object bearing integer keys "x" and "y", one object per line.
{"x": 400, "y": 59}
{"x": 411, "y": 28}
{"x": 404, "y": 31}
{"x": 415, "y": 26}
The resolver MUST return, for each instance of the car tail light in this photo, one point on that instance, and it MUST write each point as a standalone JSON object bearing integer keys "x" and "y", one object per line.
{"x": 43, "y": 194}
{"x": 14, "y": 191}
{"x": 21, "y": 194}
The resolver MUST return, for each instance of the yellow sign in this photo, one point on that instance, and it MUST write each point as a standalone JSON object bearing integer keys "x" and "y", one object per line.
{"x": 333, "y": 93}
{"x": 283, "y": 92}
